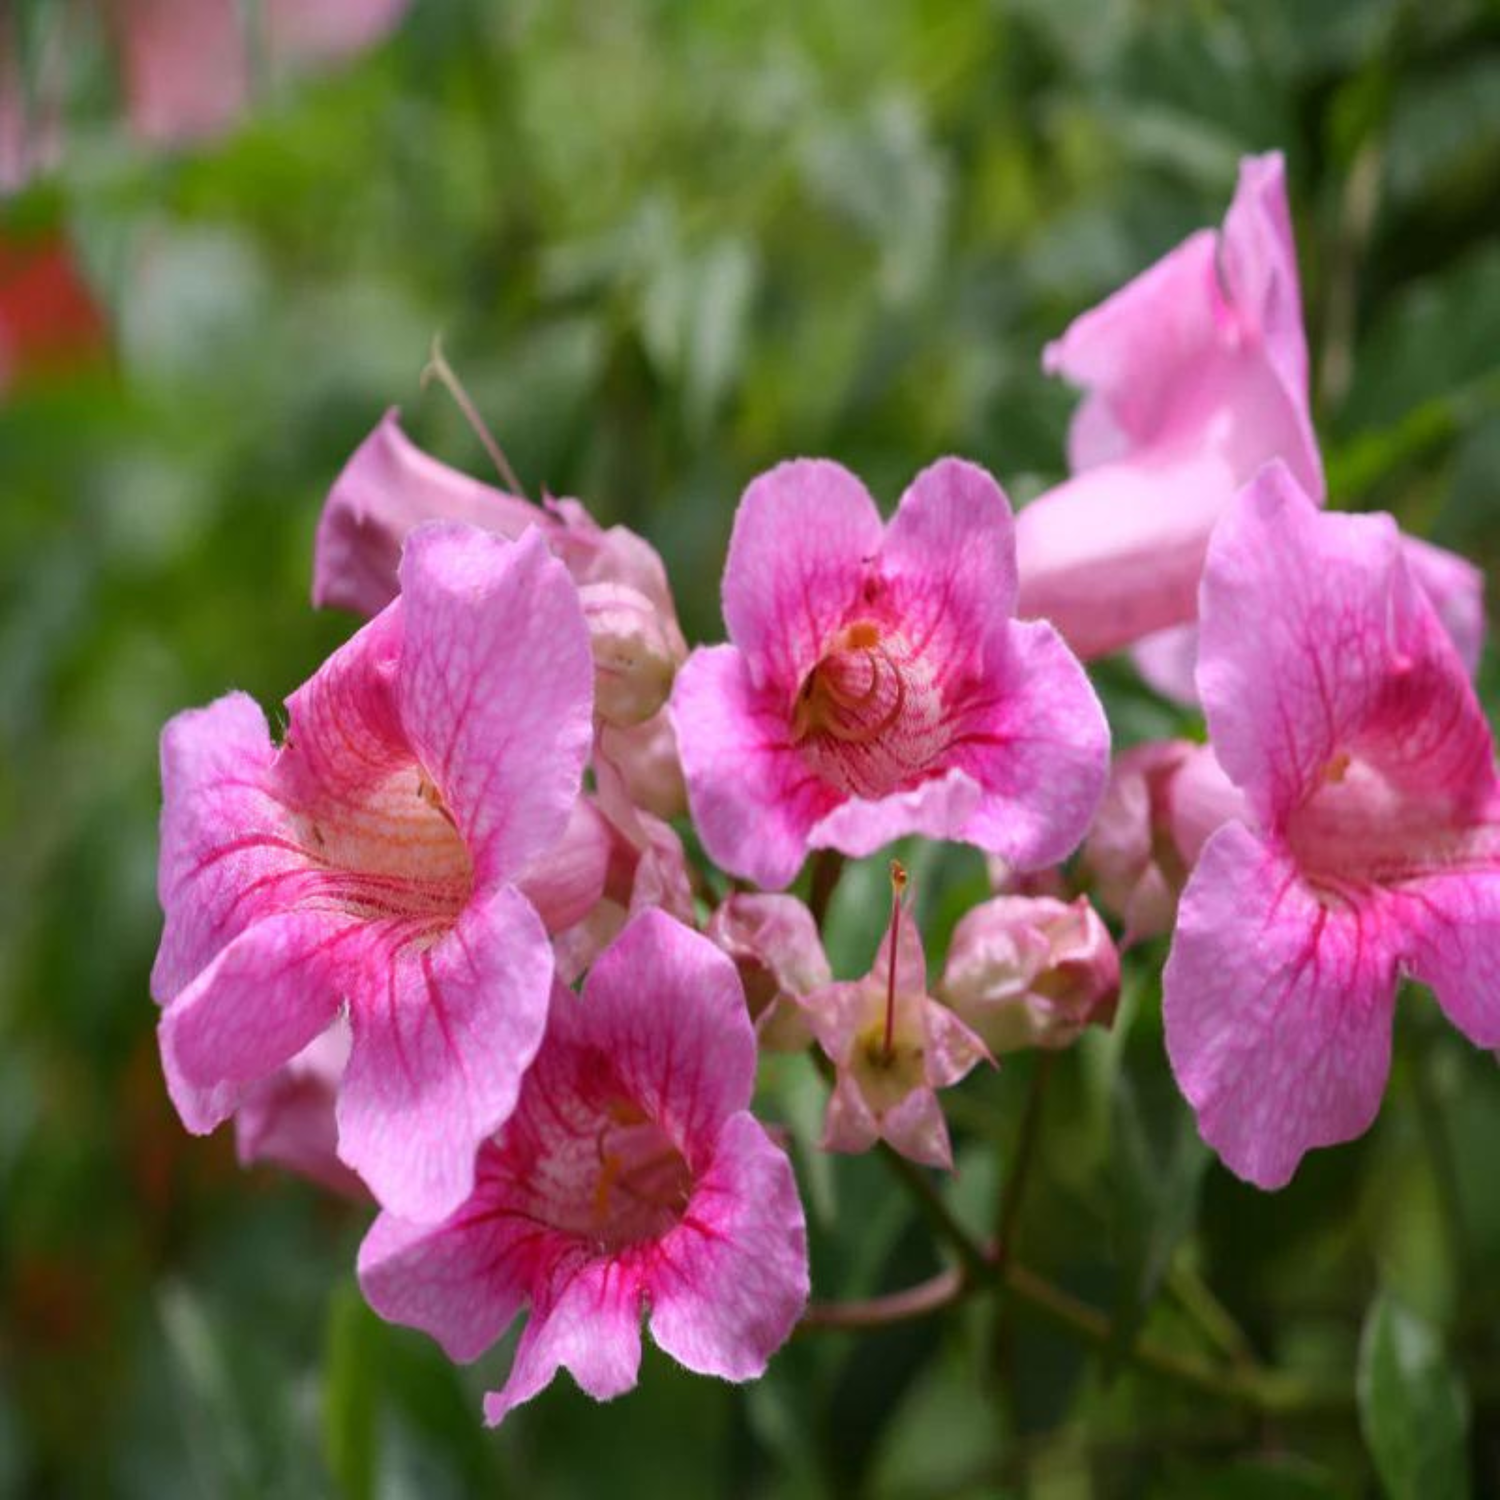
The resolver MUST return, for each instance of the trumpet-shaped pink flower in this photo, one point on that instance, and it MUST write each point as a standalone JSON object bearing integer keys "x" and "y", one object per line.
{"x": 877, "y": 686}
{"x": 631, "y": 1180}
{"x": 369, "y": 864}
{"x": 1337, "y": 703}
{"x": 1195, "y": 375}
{"x": 1163, "y": 801}
{"x": 774, "y": 943}
{"x": 1031, "y": 971}
{"x": 389, "y": 486}
{"x": 892, "y": 1047}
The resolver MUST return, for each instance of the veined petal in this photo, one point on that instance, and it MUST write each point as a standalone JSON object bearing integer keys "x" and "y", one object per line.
{"x": 804, "y": 535}
{"x": 1277, "y": 1008}
{"x": 948, "y": 565}
{"x": 1351, "y": 667}
{"x": 588, "y": 1322}
{"x": 1037, "y": 743}
{"x": 496, "y": 688}
{"x": 727, "y": 1286}
{"x": 1455, "y": 945}
{"x": 256, "y": 1006}
{"x": 753, "y": 797}
{"x": 688, "y": 1058}
{"x": 462, "y": 1280}
{"x": 386, "y": 490}
{"x": 442, "y": 1037}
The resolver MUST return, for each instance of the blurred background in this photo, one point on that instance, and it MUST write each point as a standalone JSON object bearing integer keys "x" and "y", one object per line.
{"x": 666, "y": 246}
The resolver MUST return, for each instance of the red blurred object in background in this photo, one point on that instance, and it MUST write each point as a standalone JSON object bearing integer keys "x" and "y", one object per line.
{"x": 49, "y": 319}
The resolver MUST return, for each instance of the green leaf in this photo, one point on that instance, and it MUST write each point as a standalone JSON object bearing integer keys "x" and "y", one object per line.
{"x": 351, "y": 1393}
{"x": 1413, "y": 1407}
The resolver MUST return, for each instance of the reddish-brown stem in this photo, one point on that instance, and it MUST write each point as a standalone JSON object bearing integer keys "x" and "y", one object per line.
{"x": 929, "y": 1296}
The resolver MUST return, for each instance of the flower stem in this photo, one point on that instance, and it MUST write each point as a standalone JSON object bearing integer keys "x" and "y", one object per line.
{"x": 929, "y": 1296}
{"x": 437, "y": 368}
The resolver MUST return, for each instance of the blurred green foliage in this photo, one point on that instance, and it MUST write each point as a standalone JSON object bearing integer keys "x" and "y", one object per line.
{"x": 668, "y": 245}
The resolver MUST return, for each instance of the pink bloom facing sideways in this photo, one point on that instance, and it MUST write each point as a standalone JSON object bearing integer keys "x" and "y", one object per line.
{"x": 775, "y": 945}
{"x": 1195, "y": 375}
{"x": 370, "y": 861}
{"x": 630, "y": 1180}
{"x": 876, "y": 684}
{"x": 390, "y": 486}
{"x": 1338, "y": 704}
{"x": 892, "y": 1046}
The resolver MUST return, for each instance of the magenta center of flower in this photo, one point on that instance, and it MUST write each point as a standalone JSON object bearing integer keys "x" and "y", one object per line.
{"x": 394, "y": 854}
{"x": 869, "y": 715}
{"x": 624, "y": 1184}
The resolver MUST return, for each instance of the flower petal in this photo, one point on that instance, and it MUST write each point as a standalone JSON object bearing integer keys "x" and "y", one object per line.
{"x": 1277, "y": 1009}
{"x": 464, "y": 1280}
{"x": 260, "y": 1001}
{"x": 588, "y": 1321}
{"x": 753, "y": 796}
{"x": 948, "y": 564}
{"x": 442, "y": 1038}
{"x": 1457, "y": 948}
{"x": 226, "y": 842}
{"x": 804, "y": 535}
{"x": 729, "y": 1283}
{"x": 386, "y": 490}
{"x": 667, "y": 1008}
{"x": 1351, "y": 656}
{"x": 496, "y": 687}
{"x": 1037, "y": 743}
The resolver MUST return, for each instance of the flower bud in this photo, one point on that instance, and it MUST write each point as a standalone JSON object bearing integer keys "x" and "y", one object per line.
{"x": 1163, "y": 801}
{"x": 634, "y": 660}
{"x": 1028, "y": 971}
{"x": 774, "y": 943}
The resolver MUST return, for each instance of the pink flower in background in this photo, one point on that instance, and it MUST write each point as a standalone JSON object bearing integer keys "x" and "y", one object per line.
{"x": 1337, "y": 703}
{"x": 390, "y": 485}
{"x": 1195, "y": 375}
{"x": 187, "y": 65}
{"x": 877, "y": 686}
{"x": 288, "y": 1119}
{"x": 631, "y": 1182}
{"x": 1030, "y": 971}
{"x": 774, "y": 943}
{"x": 1163, "y": 800}
{"x": 369, "y": 864}
{"x": 892, "y": 1047}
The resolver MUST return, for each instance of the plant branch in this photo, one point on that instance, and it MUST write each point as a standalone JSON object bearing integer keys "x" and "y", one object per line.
{"x": 912, "y": 1302}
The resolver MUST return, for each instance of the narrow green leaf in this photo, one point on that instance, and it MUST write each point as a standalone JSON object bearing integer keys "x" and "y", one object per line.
{"x": 1413, "y": 1407}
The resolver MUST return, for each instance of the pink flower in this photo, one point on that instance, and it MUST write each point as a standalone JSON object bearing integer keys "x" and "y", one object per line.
{"x": 1339, "y": 706}
{"x": 774, "y": 943}
{"x": 390, "y": 485}
{"x": 1029, "y": 971}
{"x": 187, "y": 64}
{"x": 892, "y": 1047}
{"x": 1163, "y": 800}
{"x": 369, "y": 863}
{"x": 1195, "y": 375}
{"x": 289, "y": 1118}
{"x": 877, "y": 686}
{"x": 631, "y": 1181}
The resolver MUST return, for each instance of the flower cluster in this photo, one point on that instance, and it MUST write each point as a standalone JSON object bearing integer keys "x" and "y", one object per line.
{"x": 443, "y": 944}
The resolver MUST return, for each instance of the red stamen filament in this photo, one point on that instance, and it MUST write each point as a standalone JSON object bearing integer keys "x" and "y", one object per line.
{"x": 898, "y": 886}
